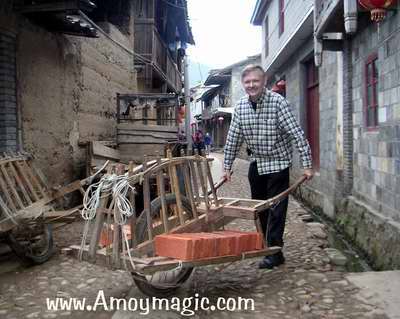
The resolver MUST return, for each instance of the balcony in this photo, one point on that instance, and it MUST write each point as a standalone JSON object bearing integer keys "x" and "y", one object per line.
{"x": 160, "y": 67}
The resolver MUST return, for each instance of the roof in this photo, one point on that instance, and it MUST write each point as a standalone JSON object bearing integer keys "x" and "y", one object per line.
{"x": 221, "y": 76}
{"x": 209, "y": 92}
{"x": 259, "y": 12}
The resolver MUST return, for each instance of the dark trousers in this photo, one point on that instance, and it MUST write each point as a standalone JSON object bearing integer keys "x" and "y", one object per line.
{"x": 264, "y": 187}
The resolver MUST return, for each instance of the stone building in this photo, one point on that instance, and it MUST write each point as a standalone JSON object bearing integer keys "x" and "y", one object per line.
{"x": 341, "y": 74}
{"x": 62, "y": 64}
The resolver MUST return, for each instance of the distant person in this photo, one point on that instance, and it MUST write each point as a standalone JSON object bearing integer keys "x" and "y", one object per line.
{"x": 198, "y": 141}
{"x": 207, "y": 143}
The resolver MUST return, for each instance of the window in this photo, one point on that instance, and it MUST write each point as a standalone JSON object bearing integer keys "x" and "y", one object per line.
{"x": 281, "y": 16}
{"x": 371, "y": 92}
{"x": 266, "y": 37}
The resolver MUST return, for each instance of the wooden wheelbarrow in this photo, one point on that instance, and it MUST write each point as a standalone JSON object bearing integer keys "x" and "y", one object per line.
{"x": 192, "y": 206}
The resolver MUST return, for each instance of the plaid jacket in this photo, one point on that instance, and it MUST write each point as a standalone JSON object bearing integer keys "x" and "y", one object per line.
{"x": 269, "y": 132}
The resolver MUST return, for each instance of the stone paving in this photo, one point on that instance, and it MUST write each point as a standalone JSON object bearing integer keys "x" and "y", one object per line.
{"x": 306, "y": 286}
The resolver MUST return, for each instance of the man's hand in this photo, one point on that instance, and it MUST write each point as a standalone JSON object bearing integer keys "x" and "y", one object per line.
{"x": 227, "y": 175}
{"x": 308, "y": 173}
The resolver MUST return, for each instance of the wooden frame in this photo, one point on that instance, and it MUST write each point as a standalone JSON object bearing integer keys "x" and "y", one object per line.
{"x": 209, "y": 213}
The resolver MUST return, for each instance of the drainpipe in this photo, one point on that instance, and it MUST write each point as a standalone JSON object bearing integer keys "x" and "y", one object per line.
{"x": 347, "y": 119}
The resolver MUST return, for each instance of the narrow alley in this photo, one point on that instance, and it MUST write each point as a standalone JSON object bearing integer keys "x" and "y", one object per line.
{"x": 308, "y": 285}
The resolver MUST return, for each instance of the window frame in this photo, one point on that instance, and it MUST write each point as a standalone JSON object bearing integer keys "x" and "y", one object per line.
{"x": 281, "y": 17}
{"x": 266, "y": 35}
{"x": 371, "y": 80}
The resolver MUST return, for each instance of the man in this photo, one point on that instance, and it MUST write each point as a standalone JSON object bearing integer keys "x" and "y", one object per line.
{"x": 265, "y": 121}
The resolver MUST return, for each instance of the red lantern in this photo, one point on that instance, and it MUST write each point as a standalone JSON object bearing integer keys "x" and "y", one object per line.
{"x": 377, "y": 8}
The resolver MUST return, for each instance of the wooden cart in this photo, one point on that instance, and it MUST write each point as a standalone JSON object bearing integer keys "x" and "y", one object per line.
{"x": 26, "y": 208}
{"x": 191, "y": 206}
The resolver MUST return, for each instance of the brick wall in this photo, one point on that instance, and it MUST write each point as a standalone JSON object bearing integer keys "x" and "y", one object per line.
{"x": 377, "y": 152}
{"x": 8, "y": 105}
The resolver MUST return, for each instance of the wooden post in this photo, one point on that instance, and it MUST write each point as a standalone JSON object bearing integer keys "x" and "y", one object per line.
{"x": 161, "y": 187}
{"x": 188, "y": 187}
{"x": 133, "y": 217}
{"x": 176, "y": 189}
{"x": 203, "y": 183}
{"x": 195, "y": 181}
{"x": 211, "y": 182}
{"x": 146, "y": 199}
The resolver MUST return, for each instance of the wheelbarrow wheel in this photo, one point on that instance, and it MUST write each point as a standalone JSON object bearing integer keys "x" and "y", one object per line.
{"x": 33, "y": 244}
{"x": 162, "y": 283}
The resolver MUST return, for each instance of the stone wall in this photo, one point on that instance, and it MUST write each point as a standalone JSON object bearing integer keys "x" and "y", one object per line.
{"x": 66, "y": 92}
{"x": 377, "y": 152}
{"x": 8, "y": 97}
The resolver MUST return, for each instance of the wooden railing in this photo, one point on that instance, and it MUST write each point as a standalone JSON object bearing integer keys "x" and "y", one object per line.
{"x": 149, "y": 44}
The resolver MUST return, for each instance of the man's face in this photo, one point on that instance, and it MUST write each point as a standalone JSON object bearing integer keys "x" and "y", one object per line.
{"x": 253, "y": 83}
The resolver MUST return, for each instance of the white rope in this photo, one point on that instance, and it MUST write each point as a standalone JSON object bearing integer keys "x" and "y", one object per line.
{"x": 119, "y": 187}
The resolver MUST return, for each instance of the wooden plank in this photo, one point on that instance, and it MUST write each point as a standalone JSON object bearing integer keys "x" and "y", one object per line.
{"x": 189, "y": 190}
{"x": 98, "y": 149}
{"x": 195, "y": 181}
{"x": 211, "y": 182}
{"x": 239, "y": 212}
{"x": 132, "y": 219}
{"x": 152, "y": 128}
{"x": 33, "y": 178}
{"x": 98, "y": 225}
{"x": 173, "y": 263}
{"x": 146, "y": 200}
{"x": 125, "y": 139}
{"x": 161, "y": 187}
{"x": 140, "y": 134}
{"x": 25, "y": 176}
{"x": 20, "y": 183}
{"x": 203, "y": 184}
{"x": 176, "y": 189}
{"x": 12, "y": 188}
{"x": 10, "y": 202}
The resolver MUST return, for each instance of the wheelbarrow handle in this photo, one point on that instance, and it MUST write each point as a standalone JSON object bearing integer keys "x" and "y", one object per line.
{"x": 221, "y": 182}
{"x": 276, "y": 199}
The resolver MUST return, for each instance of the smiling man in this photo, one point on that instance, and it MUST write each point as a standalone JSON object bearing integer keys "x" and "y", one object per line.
{"x": 265, "y": 121}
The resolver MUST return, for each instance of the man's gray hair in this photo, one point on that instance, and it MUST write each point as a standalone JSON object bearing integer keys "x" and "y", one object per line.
{"x": 250, "y": 68}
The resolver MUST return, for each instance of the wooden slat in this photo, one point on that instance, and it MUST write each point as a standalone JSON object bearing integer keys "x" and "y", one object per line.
{"x": 176, "y": 189}
{"x": 239, "y": 212}
{"x": 20, "y": 183}
{"x": 211, "y": 182}
{"x": 98, "y": 225}
{"x": 146, "y": 200}
{"x": 173, "y": 263}
{"x": 10, "y": 202}
{"x": 33, "y": 178}
{"x": 12, "y": 188}
{"x": 161, "y": 187}
{"x": 195, "y": 181}
{"x": 203, "y": 184}
{"x": 100, "y": 150}
{"x": 22, "y": 170}
{"x": 132, "y": 219}
{"x": 189, "y": 189}
{"x": 151, "y": 128}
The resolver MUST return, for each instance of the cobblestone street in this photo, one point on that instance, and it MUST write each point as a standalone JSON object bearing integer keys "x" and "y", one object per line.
{"x": 306, "y": 286}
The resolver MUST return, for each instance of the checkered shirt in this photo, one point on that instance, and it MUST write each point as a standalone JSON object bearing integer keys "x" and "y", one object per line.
{"x": 269, "y": 132}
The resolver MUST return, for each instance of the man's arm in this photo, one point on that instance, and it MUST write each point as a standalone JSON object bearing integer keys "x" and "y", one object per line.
{"x": 233, "y": 142}
{"x": 289, "y": 124}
